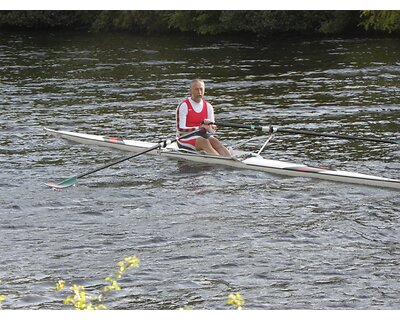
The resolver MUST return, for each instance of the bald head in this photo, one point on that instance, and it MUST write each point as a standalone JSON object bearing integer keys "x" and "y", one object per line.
{"x": 194, "y": 81}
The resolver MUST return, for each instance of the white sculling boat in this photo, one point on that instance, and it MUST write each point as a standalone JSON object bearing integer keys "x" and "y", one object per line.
{"x": 240, "y": 159}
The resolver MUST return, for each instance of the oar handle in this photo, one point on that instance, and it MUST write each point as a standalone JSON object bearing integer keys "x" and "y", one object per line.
{"x": 272, "y": 129}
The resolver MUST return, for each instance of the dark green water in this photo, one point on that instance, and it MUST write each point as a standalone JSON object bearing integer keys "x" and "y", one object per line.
{"x": 201, "y": 232}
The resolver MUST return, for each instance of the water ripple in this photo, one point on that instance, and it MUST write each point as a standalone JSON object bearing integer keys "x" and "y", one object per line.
{"x": 201, "y": 232}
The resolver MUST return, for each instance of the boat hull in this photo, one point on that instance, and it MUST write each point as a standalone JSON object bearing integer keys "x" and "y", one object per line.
{"x": 253, "y": 162}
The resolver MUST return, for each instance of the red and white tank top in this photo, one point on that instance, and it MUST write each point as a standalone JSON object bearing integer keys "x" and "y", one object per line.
{"x": 192, "y": 119}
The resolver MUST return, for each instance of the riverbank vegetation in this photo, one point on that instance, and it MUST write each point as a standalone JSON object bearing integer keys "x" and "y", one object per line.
{"x": 82, "y": 300}
{"x": 211, "y": 22}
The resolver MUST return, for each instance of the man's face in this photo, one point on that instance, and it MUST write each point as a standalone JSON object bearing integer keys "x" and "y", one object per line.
{"x": 197, "y": 91}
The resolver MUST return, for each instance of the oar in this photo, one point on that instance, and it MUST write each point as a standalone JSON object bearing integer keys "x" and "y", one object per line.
{"x": 72, "y": 180}
{"x": 306, "y": 132}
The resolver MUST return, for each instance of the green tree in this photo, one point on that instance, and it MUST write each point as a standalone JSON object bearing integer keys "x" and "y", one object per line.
{"x": 264, "y": 23}
{"x": 132, "y": 21}
{"x": 200, "y": 22}
{"x": 208, "y": 22}
{"x": 382, "y": 20}
{"x": 39, "y": 19}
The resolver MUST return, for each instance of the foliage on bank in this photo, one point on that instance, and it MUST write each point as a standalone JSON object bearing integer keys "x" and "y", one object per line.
{"x": 216, "y": 22}
{"x": 2, "y": 298}
{"x": 384, "y": 20}
{"x": 82, "y": 300}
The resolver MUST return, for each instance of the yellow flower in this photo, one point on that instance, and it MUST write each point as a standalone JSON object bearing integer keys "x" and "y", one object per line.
{"x": 60, "y": 285}
{"x": 236, "y": 299}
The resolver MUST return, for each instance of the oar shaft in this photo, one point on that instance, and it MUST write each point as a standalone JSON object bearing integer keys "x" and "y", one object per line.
{"x": 120, "y": 160}
{"x": 72, "y": 180}
{"x": 332, "y": 135}
{"x": 158, "y": 145}
{"x": 243, "y": 126}
{"x": 306, "y": 132}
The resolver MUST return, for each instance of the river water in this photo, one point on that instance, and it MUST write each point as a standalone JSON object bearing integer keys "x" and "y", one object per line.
{"x": 201, "y": 232}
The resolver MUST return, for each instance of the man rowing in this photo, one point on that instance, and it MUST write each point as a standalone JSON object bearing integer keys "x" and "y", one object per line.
{"x": 194, "y": 113}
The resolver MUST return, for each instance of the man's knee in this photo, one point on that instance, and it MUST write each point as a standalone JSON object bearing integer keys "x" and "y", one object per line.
{"x": 201, "y": 142}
